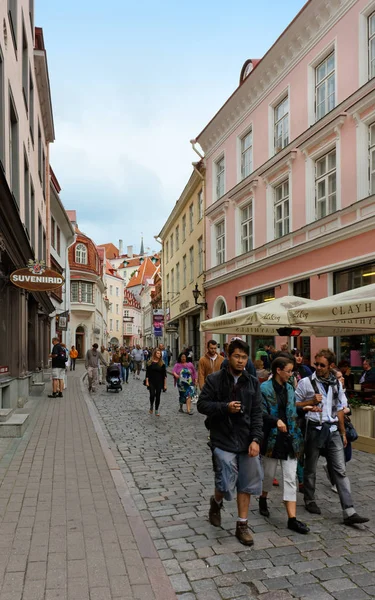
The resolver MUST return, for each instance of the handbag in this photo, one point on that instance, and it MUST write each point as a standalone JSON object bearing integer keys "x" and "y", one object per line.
{"x": 350, "y": 430}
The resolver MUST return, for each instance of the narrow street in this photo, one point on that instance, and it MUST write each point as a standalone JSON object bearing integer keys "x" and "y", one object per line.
{"x": 167, "y": 465}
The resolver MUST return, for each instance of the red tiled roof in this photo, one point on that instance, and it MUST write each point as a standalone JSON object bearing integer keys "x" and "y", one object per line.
{"x": 110, "y": 270}
{"x": 110, "y": 250}
{"x": 72, "y": 214}
{"x": 145, "y": 271}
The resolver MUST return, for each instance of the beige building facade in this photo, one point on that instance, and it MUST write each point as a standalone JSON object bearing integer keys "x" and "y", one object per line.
{"x": 183, "y": 263}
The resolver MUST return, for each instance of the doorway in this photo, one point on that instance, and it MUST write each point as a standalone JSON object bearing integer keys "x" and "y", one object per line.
{"x": 80, "y": 341}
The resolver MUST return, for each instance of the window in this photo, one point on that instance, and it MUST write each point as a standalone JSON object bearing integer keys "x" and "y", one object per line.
{"x": 184, "y": 228}
{"x": 31, "y": 15}
{"x": 44, "y": 245}
{"x": 31, "y": 106}
{"x": 200, "y": 255}
{"x": 220, "y": 243}
{"x": 129, "y": 328}
{"x": 178, "y": 278}
{"x": 117, "y": 307}
{"x": 117, "y": 291}
{"x": 81, "y": 254}
{"x": 32, "y": 215}
{"x": 111, "y": 323}
{"x": 111, "y": 290}
{"x": 25, "y": 68}
{"x": 172, "y": 283}
{"x": 12, "y": 15}
{"x": 74, "y": 291}
{"x": 302, "y": 288}
{"x": 371, "y": 45}
{"x": 220, "y": 175}
{"x": 372, "y": 157}
{"x": 246, "y": 154}
{"x": 191, "y": 217}
{"x": 177, "y": 234}
{"x": 260, "y": 297}
{"x": 168, "y": 290}
{"x": 171, "y": 245}
{"x": 13, "y": 150}
{"x": 53, "y": 230}
{"x": 325, "y": 86}
{"x": 126, "y": 313}
{"x": 325, "y": 184}
{"x": 58, "y": 240}
{"x": 184, "y": 271}
{"x": 281, "y": 125}
{"x": 86, "y": 292}
{"x": 191, "y": 260}
{"x": 117, "y": 325}
{"x": 247, "y": 228}
{"x": 282, "y": 209}
{"x": 26, "y": 190}
{"x": 200, "y": 205}
{"x": 166, "y": 251}
{"x": 40, "y": 239}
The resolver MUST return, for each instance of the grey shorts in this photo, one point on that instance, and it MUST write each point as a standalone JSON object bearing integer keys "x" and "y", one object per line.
{"x": 58, "y": 373}
{"x": 237, "y": 471}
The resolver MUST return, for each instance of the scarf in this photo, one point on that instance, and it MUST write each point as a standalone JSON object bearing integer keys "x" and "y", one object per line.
{"x": 331, "y": 381}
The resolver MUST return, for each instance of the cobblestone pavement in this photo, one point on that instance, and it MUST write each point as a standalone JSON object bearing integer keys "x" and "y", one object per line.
{"x": 167, "y": 466}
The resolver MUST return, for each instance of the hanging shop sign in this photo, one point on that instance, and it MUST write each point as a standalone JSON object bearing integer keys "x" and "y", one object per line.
{"x": 62, "y": 321}
{"x": 37, "y": 278}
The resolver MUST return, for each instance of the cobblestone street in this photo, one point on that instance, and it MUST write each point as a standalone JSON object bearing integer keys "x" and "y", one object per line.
{"x": 167, "y": 465}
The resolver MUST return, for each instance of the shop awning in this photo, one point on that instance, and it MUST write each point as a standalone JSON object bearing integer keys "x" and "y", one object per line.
{"x": 266, "y": 318}
{"x": 353, "y": 310}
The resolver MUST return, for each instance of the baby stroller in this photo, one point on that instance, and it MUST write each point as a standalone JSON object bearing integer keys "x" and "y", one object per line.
{"x": 113, "y": 378}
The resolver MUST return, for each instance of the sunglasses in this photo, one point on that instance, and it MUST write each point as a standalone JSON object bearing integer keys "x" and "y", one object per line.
{"x": 318, "y": 364}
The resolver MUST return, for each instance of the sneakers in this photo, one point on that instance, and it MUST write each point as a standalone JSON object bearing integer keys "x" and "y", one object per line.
{"x": 150, "y": 412}
{"x": 334, "y": 488}
{"x": 214, "y": 514}
{"x": 243, "y": 533}
{"x": 53, "y": 395}
{"x": 181, "y": 409}
{"x": 355, "y": 519}
{"x": 60, "y": 395}
{"x": 297, "y": 526}
{"x": 157, "y": 414}
{"x": 313, "y": 508}
{"x": 263, "y": 508}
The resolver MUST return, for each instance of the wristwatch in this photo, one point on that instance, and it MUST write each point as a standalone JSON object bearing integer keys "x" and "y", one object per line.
{"x": 257, "y": 441}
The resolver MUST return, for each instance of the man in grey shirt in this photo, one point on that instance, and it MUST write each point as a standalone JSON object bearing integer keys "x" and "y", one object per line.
{"x": 137, "y": 356}
{"x": 93, "y": 359}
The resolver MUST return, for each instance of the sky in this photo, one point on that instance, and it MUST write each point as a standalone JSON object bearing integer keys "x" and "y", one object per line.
{"x": 132, "y": 83}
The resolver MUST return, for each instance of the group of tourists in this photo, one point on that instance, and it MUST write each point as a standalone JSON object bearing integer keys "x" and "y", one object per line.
{"x": 255, "y": 426}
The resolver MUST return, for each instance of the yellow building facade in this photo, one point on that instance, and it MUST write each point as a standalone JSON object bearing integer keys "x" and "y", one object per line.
{"x": 183, "y": 264}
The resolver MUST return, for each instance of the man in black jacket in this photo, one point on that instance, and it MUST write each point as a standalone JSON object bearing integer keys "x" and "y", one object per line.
{"x": 231, "y": 400}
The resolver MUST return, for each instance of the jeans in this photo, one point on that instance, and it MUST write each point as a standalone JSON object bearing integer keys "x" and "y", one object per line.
{"x": 154, "y": 396}
{"x": 334, "y": 451}
{"x": 73, "y": 364}
{"x": 289, "y": 472}
{"x": 124, "y": 373}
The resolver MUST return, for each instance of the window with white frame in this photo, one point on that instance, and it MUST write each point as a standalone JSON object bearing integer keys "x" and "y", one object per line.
{"x": 220, "y": 242}
{"x": 117, "y": 309}
{"x": 81, "y": 254}
{"x": 191, "y": 260}
{"x": 172, "y": 283}
{"x": 372, "y": 158}
{"x": 325, "y": 82}
{"x": 200, "y": 205}
{"x": 178, "y": 278}
{"x": 282, "y": 209}
{"x": 246, "y": 154}
{"x": 281, "y": 124}
{"x": 247, "y": 228}
{"x": 117, "y": 291}
{"x": 111, "y": 290}
{"x": 111, "y": 323}
{"x": 126, "y": 313}
{"x": 184, "y": 271}
{"x": 177, "y": 234}
{"x": 184, "y": 228}
{"x": 74, "y": 291}
{"x": 371, "y": 45}
{"x": 200, "y": 255}
{"x": 220, "y": 177}
{"x": 117, "y": 325}
{"x": 325, "y": 184}
{"x": 129, "y": 328}
{"x": 86, "y": 292}
{"x": 191, "y": 217}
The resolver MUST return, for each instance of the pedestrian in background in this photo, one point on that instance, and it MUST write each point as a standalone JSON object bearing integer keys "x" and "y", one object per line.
{"x": 137, "y": 356}
{"x": 92, "y": 361}
{"x": 58, "y": 356}
{"x": 185, "y": 378}
{"x": 125, "y": 364}
{"x": 262, "y": 373}
{"x": 209, "y": 363}
{"x": 156, "y": 380}
{"x": 73, "y": 357}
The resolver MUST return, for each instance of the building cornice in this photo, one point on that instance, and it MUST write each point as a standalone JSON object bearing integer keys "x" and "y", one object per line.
{"x": 44, "y": 93}
{"x": 307, "y": 29}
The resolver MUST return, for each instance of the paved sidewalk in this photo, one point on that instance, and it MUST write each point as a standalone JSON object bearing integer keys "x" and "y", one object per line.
{"x": 167, "y": 466}
{"x": 69, "y": 528}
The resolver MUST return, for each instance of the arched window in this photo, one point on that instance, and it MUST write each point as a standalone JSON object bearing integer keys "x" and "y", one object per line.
{"x": 81, "y": 254}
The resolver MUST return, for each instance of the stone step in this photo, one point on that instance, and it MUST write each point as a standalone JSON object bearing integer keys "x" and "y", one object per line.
{"x": 37, "y": 388}
{"x": 15, "y": 426}
{"x": 5, "y": 414}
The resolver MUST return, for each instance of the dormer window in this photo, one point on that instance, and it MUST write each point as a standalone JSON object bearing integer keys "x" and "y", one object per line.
{"x": 81, "y": 254}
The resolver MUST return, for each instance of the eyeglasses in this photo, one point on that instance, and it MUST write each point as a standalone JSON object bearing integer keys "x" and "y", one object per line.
{"x": 318, "y": 364}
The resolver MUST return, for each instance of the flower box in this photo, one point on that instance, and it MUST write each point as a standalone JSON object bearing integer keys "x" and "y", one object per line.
{"x": 363, "y": 420}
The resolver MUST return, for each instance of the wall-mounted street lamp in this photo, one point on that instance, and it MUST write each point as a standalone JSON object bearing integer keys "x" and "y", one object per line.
{"x": 196, "y": 294}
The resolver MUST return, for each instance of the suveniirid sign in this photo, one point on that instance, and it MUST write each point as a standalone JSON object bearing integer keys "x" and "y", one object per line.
{"x": 36, "y": 278}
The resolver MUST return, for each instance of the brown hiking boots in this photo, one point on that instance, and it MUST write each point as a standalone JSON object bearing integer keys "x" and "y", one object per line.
{"x": 214, "y": 514}
{"x": 243, "y": 533}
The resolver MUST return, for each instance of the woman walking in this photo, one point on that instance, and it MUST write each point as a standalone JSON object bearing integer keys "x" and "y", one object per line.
{"x": 282, "y": 439}
{"x": 125, "y": 364}
{"x": 73, "y": 357}
{"x": 156, "y": 380}
{"x": 185, "y": 377}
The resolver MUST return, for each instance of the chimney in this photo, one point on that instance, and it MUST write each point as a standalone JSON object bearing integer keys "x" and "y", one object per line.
{"x": 130, "y": 251}
{"x": 120, "y": 247}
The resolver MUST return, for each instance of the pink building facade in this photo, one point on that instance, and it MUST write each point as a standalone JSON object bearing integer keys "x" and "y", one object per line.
{"x": 290, "y": 169}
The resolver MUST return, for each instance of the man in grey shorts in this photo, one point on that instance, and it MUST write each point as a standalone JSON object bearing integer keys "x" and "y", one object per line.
{"x": 231, "y": 400}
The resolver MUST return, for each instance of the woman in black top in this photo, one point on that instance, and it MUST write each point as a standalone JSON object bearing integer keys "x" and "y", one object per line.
{"x": 156, "y": 380}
